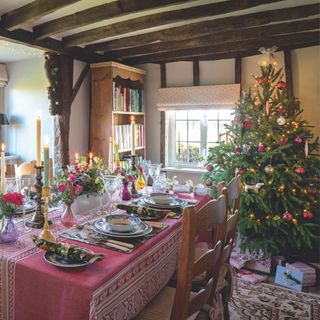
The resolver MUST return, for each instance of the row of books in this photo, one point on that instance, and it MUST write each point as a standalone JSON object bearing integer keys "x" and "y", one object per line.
{"x": 123, "y": 136}
{"x": 126, "y": 99}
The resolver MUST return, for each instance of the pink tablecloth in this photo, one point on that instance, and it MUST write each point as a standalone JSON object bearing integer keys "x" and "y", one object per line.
{"x": 117, "y": 287}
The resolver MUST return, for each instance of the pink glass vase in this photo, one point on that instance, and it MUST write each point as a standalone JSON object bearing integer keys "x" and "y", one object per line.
{"x": 68, "y": 219}
{"x": 125, "y": 193}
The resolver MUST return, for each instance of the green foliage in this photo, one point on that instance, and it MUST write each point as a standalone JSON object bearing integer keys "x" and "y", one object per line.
{"x": 275, "y": 218}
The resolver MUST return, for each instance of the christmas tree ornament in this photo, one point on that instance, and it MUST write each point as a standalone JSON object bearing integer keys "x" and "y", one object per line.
{"x": 281, "y": 121}
{"x": 245, "y": 148}
{"x": 276, "y": 218}
{"x": 254, "y": 187}
{"x": 306, "y": 149}
{"x": 236, "y": 118}
{"x": 251, "y": 216}
{"x": 208, "y": 182}
{"x": 260, "y": 147}
{"x": 287, "y": 216}
{"x": 237, "y": 149}
{"x": 261, "y": 80}
{"x": 209, "y": 167}
{"x": 281, "y": 85}
{"x": 267, "y": 57}
{"x": 247, "y": 124}
{"x": 282, "y": 142}
{"x": 299, "y": 170}
{"x": 294, "y": 221}
{"x": 298, "y": 140}
{"x": 307, "y": 214}
{"x": 269, "y": 169}
{"x": 267, "y": 108}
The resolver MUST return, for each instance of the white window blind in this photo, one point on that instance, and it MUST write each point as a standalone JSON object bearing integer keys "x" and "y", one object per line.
{"x": 200, "y": 97}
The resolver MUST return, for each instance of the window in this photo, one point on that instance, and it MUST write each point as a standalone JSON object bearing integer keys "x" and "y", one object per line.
{"x": 192, "y": 132}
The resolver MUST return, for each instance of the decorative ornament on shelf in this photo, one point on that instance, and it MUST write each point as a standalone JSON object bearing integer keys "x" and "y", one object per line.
{"x": 267, "y": 57}
{"x": 306, "y": 148}
{"x": 281, "y": 121}
{"x": 254, "y": 187}
{"x": 281, "y": 85}
{"x": 245, "y": 148}
{"x": 269, "y": 169}
{"x": 299, "y": 170}
{"x": 287, "y": 216}
{"x": 260, "y": 147}
{"x": 298, "y": 140}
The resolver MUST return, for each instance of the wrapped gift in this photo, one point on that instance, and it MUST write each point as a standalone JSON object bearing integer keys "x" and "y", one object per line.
{"x": 251, "y": 277}
{"x": 309, "y": 273}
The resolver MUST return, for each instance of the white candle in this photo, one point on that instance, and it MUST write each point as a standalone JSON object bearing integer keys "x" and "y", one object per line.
{"x": 116, "y": 151}
{"x": 3, "y": 170}
{"x": 133, "y": 124}
{"x": 90, "y": 157}
{"x": 46, "y": 161}
{"x": 110, "y": 162}
{"x": 38, "y": 130}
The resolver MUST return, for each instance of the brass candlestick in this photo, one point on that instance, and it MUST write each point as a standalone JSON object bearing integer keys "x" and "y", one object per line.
{"x": 133, "y": 164}
{"x": 46, "y": 234}
{"x": 37, "y": 219}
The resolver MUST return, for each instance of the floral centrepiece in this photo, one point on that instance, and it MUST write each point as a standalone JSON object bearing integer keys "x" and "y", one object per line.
{"x": 10, "y": 202}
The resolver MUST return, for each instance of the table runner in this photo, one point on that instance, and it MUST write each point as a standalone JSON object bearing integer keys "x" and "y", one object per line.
{"x": 128, "y": 283}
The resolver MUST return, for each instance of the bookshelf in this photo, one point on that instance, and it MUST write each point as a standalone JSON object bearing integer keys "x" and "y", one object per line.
{"x": 117, "y": 96}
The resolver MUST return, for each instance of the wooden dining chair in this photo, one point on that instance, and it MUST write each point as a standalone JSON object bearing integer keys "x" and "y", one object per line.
{"x": 232, "y": 192}
{"x": 182, "y": 303}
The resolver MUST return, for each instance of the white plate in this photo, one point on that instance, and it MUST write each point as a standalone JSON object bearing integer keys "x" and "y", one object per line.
{"x": 122, "y": 223}
{"x": 162, "y": 198}
{"x": 58, "y": 261}
{"x": 176, "y": 203}
{"x": 140, "y": 230}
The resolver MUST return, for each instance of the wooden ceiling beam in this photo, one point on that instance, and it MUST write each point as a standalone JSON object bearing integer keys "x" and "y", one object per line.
{"x": 218, "y": 38}
{"x": 209, "y": 27}
{"x": 96, "y": 14}
{"x": 26, "y": 37}
{"x": 160, "y": 19}
{"x": 31, "y": 12}
{"x": 238, "y": 46}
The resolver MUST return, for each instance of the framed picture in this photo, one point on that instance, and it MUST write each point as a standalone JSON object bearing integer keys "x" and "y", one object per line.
{"x": 289, "y": 277}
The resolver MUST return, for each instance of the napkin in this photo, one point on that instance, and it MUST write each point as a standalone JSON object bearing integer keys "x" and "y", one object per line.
{"x": 69, "y": 252}
{"x": 182, "y": 188}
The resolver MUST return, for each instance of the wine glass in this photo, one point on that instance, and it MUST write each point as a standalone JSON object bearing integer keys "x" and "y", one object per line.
{"x": 24, "y": 187}
{"x": 145, "y": 170}
{"x": 154, "y": 170}
{"x": 112, "y": 185}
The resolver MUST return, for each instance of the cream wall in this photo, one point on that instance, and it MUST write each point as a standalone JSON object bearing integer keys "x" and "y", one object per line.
{"x": 306, "y": 76}
{"x": 26, "y": 95}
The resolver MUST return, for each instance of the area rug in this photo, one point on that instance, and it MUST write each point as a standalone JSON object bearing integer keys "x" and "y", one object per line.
{"x": 264, "y": 301}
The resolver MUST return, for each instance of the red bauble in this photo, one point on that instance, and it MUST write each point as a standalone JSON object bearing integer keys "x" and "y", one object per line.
{"x": 287, "y": 216}
{"x": 299, "y": 170}
{"x": 209, "y": 167}
{"x": 237, "y": 149}
{"x": 281, "y": 85}
{"x": 246, "y": 124}
{"x": 261, "y": 80}
{"x": 282, "y": 142}
{"x": 307, "y": 215}
{"x": 208, "y": 182}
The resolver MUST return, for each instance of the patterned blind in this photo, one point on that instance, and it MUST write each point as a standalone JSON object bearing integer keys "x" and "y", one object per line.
{"x": 199, "y": 97}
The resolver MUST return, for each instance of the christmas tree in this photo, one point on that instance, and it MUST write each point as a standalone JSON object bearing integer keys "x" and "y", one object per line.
{"x": 274, "y": 151}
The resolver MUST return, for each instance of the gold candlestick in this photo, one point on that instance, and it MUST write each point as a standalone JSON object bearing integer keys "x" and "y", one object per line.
{"x": 46, "y": 234}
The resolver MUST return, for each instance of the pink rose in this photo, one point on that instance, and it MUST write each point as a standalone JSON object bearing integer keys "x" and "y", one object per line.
{"x": 131, "y": 178}
{"x": 14, "y": 198}
{"x": 72, "y": 178}
{"x": 62, "y": 187}
{"x": 78, "y": 188}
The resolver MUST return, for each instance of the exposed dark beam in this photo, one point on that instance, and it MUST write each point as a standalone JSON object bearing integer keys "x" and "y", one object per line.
{"x": 31, "y": 12}
{"x": 209, "y": 27}
{"x": 237, "y": 70}
{"x": 163, "y": 76}
{"x": 288, "y": 71}
{"x": 26, "y": 37}
{"x": 218, "y": 38}
{"x": 196, "y": 72}
{"x": 159, "y": 19}
{"x": 238, "y": 46}
{"x": 96, "y": 14}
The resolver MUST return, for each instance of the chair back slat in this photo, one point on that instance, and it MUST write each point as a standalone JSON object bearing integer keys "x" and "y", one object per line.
{"x": 234, "y": 192}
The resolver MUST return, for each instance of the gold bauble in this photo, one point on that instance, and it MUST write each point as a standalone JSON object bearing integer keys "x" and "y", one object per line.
{"x": 269, "y": 169}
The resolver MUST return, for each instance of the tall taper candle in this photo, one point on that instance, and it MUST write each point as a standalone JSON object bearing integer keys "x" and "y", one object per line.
{"x": 90, "y": 157}
{"x": 133, "y": 136}
{"x": 46, "y": 161}
{"x": 3, "y": 170}
{"x": 110, "y": 160}
{"x": 38, "y": 128}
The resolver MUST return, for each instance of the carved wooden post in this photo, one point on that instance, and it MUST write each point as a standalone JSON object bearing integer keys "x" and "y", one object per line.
{"x": 59, "y": 69}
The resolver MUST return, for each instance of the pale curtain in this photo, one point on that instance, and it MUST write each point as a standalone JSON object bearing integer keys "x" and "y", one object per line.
{"x": 3, "y": 75}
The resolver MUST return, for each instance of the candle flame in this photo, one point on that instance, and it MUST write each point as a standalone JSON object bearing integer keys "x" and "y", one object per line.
{"x": 46, "y": 140}
{"x": 110, "y": 139}
{"x": 132, "y": 118}
{"x": 90, "y": 155}
{"x": 3, "y": 147}
{"x": 77, "y": 156}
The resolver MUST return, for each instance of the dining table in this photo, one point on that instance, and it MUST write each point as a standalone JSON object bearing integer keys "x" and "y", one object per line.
{"x": 117, "y": 287}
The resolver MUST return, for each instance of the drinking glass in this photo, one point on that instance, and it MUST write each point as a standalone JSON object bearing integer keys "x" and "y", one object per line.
{"x": 160, "y": 183}
{"x": 112, "y": 186}
{"x": 154, "y": 170}
{"x": 145, "y": 171}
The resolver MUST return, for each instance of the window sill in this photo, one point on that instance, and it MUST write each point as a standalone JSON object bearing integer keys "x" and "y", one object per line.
{"x": 184, "y": 170}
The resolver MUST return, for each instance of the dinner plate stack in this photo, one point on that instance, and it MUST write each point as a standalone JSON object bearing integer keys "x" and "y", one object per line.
{"x": 163, "y": 201}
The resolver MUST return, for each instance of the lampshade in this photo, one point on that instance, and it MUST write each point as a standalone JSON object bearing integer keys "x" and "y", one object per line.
{"x": 3, "y": 119}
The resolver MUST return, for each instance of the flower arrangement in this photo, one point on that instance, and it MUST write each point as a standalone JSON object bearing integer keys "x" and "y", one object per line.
{"x": 68, "y": 189}
{"x": 9, "y": 203}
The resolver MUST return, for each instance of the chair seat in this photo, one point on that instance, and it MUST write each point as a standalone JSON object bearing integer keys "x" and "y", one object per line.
{"x": 160, "y": 307}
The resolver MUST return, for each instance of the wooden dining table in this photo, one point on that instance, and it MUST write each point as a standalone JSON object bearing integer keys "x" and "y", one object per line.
{"x": 117, "y": 288}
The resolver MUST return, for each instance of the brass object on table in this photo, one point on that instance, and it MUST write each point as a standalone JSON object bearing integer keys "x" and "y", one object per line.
{"x": 46, "y": 234}
{"x": 37, "y": 220}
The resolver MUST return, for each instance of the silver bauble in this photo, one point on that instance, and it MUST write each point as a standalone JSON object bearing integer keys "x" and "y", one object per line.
{"x": 281, "y": 121}
{"x": 269, "y": 169}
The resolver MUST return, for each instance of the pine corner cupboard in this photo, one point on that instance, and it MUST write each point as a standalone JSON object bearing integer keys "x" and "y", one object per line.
{"x": 117, "y": 98}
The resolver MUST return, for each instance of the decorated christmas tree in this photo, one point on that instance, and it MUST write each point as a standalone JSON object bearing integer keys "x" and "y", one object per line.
{"x": 273, "y": 149}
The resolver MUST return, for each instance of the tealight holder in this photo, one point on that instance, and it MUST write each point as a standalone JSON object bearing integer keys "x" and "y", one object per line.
{"x": 37, "y": 220}
{"x": 46, "y": 234}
